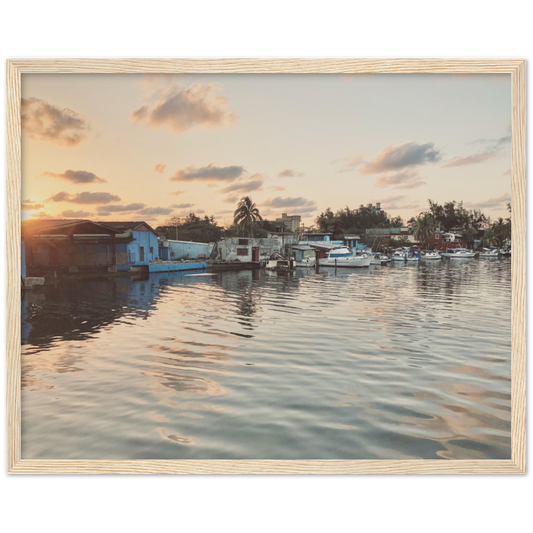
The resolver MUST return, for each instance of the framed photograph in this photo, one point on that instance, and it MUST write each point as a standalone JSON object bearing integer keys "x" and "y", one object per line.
{"x": 300, "y": 266}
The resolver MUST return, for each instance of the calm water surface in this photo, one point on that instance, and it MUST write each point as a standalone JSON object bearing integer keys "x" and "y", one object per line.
{"x": 383, "y": 363}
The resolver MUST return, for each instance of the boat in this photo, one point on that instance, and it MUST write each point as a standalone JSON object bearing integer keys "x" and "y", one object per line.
{"x": 399, "y": 255}
{"x": 278, "y": 263}
{"x": 379, "y": 259}
{"x": 459, "y": 253}
{"x": 343, "y": 257}
{"x": 488, "y": 253}
{"x": 431, "y": 256}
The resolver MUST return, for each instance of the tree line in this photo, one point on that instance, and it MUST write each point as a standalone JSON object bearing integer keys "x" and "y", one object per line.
{"x": 247, "y": 222}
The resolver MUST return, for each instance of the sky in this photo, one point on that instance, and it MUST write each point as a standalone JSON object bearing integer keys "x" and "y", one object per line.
{"x": 151, "y": 147}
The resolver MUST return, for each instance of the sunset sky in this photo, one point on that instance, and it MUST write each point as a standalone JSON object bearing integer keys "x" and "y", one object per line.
{"x": 145, "y": 147}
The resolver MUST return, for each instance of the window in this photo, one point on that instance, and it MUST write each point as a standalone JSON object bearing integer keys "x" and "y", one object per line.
{"x": 242, "y": 251}
{"x": 437, "y": 236}
{"x": 151, "y": 249}
{"x": 243, "y": 242}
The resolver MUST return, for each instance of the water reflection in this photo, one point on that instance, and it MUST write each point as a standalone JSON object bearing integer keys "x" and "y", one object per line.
{"x": 375, "y": 363}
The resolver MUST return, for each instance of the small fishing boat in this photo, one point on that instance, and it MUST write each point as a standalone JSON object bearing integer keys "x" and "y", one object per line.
{"x": 459, "y": 253}
{"x": 343, "y": 257}
{"x": 379, "y": 259}
{"x": 489, "y": 253}
{"x": 431, "y": 256}
{"x": 399, "y": 256}
{"x": 278, "y": 263}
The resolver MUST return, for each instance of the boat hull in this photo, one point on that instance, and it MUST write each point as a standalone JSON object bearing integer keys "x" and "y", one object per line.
{"x": 346, "y": 262}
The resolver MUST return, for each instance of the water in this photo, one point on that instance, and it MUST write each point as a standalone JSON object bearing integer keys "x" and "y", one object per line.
{"x": 395, "y": 362}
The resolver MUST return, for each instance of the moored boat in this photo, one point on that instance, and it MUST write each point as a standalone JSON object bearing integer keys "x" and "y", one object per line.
{"x": 459, "y": 253}
{"x": 431, "y": 256}
{"x": 379, "y": 259}
{"x": 489, "y": 253}
{"x": 343, "y": 257}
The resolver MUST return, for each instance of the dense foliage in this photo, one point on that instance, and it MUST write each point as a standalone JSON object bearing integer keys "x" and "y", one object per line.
{"x": 191, "y": 228}
{"x": 350, "y": 221}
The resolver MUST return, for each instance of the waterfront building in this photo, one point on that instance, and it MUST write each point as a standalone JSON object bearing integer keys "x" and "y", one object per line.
{"x": 441, "y": 240}
{"x": 385, "y": 234}
{"x": 249, "y": 249}
{"x": 137, "y": 240}
{"x": 52, "y": 246}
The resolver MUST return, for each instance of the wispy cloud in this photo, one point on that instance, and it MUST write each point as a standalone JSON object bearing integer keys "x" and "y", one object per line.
{"x": 297, "y": 205}
{"x": 398, "y": 202}
{"x": 407, "y": 179}
{"x": 120, "y": 208}
{"x": 208, "y": 173}
{"x": 182, "y": 206}
{"x": 160, "y": 167}
{"x": 156, "y": 211}
{"x": 76, "y": 176}
{"x": 290, "y": 173}
{"x": 469, "y": 160}
{"x": 277, "y": 188}
{"x": 85, "y": 198}
{"x": 255, "y": 183}
{"x": 350, "y": 163}
{"x": 180, "y": 109}
{"x": 399, "y": 157}
{"x": 177, "y": 193}
{"x": 493, "y": 203}
{"x": 47, "y": 122}
{"x": 30, "y": 205}
{"x": 492, "y": 148}
{"x": 75, "y": 214}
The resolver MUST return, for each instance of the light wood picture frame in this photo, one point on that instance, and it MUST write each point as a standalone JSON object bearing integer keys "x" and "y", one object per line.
{"x": 514, "y": 67}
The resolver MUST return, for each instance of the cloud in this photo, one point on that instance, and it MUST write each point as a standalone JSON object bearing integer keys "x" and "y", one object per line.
{"x": 399, "y": 157}
{"x": 398, "y": 202}
{"x": 231, "y": 199}
{"x": 181, "y": 109}
{"x": 492, "y": 148}
{"x": 160, "y": 167}
{"x": 156, "y": 211}
{"x": 177, "y": 193}
{"x": 30, "y": 205}
{"x": 47, "y": 122}
{"x": 255, "y": 183}
{"x": 407, "y": 179}
{"x": 277, "y": 188}
{"x": 469, "y": 160}
{"x": 120, "y": 208}
{"x": 76, "y": 176}
{"x": 349, "y": 163}
{"x": 200, "y": 211}
{"x": 290, "y": 173}
{"x": 208, "y": 173}
{"x": 85, "y": 198}
{"x": 493, "y": 203}
{"x": 75, "y": 214}
{"x": 298, "y": 205}
{"x": 182, "y": 206}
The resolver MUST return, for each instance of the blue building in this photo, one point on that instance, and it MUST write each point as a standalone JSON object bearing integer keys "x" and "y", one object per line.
{"x": 137, "y": 240}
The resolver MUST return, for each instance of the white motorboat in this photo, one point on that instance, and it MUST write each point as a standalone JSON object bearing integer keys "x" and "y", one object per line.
{"x": 379, "y": 259}
{"x": 494, "y": 252}
{"x": 459, "y": 253}
{"x": 343, "y": 257}
{"x": 399, "y": 255}
{"x": 431, "y": 255}
{"x": 412, "y": 259}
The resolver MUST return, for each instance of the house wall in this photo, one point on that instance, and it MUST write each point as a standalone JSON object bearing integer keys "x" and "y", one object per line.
{"x": 238, "y": 249}
{"x": 146, "y": 240}
{"x": 186, "y": 250}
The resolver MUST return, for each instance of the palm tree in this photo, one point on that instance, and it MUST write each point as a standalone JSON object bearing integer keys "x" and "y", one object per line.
{"x": 246, "y": 215}
{"x": 423, "y": 227}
